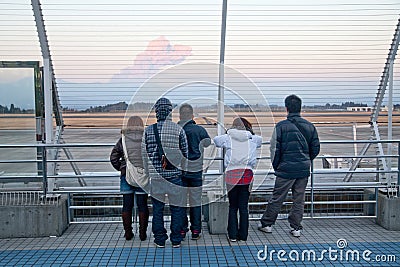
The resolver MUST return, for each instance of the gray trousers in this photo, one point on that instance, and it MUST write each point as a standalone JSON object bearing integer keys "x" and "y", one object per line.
{"x": 281, "y": 189}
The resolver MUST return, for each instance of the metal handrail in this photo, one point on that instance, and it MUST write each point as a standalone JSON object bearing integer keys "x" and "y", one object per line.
{"x": 266, "y": 188}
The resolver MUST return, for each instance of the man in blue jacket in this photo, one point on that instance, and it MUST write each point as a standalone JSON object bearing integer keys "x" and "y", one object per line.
{"x": 192, "y": 178}
{"x": 294, "y": 144}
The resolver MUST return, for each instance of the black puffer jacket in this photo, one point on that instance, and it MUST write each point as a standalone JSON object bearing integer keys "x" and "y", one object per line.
{"x": 117, "y": 157}
{"x": 291, "y": 153}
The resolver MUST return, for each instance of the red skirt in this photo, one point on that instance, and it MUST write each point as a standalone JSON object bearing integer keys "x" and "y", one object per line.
{"x": 239, "y": 177}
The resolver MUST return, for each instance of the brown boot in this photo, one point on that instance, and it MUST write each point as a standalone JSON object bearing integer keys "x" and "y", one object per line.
{"x": 127, "y": 222}
{"x": 143, "y": 223}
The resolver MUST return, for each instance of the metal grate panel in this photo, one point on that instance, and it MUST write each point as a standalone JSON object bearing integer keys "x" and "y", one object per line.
{"x": 27, "y": 199}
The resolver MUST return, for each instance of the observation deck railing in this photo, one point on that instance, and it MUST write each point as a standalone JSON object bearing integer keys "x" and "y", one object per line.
{"x": 326, "y": 197}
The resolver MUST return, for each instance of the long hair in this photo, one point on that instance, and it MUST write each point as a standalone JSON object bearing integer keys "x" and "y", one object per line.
{"x": 133, "y": 121}
{"x": 241, "y": 123}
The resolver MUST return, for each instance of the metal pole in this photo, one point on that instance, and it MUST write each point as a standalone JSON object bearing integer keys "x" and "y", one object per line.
{"x": 221, "y": 85}
{"x": 44, "y": 168}
{"x": 398, "y": 168}
{"x": 69, "y": 215}
{"x": 221, "y": 71}
{"x": 48, "y": 77}
{"x": 47, "y": 69}
{"x": 376, "y": 201}
{"x": 312, "y": 190}
{"x": 48, "y": 101}
{"x": 355, "y": 138}
{"x": 390, "y": 122}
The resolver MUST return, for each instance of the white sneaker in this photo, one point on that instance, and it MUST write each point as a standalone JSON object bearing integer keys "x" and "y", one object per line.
{"x": 265, "y": 229}
{"x": 295, "y": 233}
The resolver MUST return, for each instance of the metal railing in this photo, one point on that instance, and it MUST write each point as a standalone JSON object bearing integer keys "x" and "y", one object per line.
{"x": 325, "y": 197}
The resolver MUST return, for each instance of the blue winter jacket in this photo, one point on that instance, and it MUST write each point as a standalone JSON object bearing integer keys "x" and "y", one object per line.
{"x": 198, "y": 139}
{"x": 291, "y": 153}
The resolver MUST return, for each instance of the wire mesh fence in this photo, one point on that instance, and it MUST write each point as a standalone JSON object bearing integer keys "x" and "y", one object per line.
{"x": 26, "y": 198}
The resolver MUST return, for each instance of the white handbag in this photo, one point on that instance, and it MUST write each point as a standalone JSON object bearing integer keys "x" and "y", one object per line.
{"x": 135, "y": 176}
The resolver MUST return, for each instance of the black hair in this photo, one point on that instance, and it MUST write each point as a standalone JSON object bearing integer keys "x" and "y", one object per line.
{"x": 293, "y": 104}
{"x": 186, "y": 112}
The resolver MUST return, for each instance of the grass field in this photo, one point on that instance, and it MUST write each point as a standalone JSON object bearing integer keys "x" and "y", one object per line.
{"x": 115, "y": 120}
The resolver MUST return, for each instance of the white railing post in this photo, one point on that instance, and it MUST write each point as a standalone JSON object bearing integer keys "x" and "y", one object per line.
{"x": 48, "y": 78}
{"x": 390, "y": 121}
{"x": 221, "y": 86}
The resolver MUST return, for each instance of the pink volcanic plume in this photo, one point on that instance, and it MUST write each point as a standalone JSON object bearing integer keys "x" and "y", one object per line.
{"x": 158, "y": 54}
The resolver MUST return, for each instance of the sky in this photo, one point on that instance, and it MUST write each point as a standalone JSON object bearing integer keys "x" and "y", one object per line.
{"x": 102, "y": 52}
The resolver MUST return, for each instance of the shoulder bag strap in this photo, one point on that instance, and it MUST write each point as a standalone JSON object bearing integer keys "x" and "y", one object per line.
{"x": 302, "y": 131}
{"x": 157, "y": 136}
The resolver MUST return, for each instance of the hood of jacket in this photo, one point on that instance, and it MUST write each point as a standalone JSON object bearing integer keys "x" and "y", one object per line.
{"x": 163, "y": 108}
{"x": 239, "y": 135}
{"x": 133, "y": 130}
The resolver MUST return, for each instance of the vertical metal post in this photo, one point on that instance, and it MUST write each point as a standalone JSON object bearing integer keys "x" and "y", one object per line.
{"x": 48, "y": 101}
{"x": 312, "y": 190}
{"x": 390, "y": 122}
{"x": 221, "y": 83}
{"x": 48, "y": 77}
{"x": 69, "y": 216}
{"x": 44, "y": 168}
{"x": 221, "y": 86}
{"x": 376, "y": 201}
{"x": 48, "y": 117}
{"x": 355, "y": 138}
{"x": 398, "y": 168}
{"x": 39, "y": 113}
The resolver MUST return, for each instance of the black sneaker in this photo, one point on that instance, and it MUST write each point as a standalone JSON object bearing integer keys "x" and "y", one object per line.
{"x": 159, "y": 245}
{"x": 195, "y": 235}
{"x": 176, "y": 245}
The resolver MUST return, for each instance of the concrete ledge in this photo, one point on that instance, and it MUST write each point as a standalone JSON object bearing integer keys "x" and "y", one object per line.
{"x": 369, "y": 209}
{"x": 218, "y": 217}
{"x": 388, "y": 212}
{"x": 34, "y": 220}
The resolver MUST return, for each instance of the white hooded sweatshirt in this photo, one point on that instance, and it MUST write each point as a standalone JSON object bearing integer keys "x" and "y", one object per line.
{"x": 240, "y": 147}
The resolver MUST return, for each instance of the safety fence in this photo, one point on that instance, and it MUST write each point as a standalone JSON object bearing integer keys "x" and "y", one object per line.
{"x": 92, "y": 189}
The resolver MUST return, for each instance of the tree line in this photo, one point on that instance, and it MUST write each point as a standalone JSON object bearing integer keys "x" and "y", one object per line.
{"x": 14, "y": 110}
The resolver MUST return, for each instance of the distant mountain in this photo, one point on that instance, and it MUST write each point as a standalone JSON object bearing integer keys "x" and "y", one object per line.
{"x": 121, "y": 106}
{"x": 21, "y": 93}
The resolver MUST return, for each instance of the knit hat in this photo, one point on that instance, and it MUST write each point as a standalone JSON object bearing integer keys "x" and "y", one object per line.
{"x": 163, "y": 108}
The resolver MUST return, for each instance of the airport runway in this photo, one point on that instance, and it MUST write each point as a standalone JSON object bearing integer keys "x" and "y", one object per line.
{"x": 110, "y": 136}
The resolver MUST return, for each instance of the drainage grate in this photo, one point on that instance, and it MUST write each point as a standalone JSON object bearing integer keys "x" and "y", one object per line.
{"x": 33, "y": 198}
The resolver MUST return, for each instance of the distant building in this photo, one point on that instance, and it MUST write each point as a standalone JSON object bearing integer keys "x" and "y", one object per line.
{"x": 386, "y": 108}
{"x": 359, "y": 109}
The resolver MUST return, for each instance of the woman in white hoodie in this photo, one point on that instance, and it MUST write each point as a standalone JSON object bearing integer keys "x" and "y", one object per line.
{"x": 240, "y": 144}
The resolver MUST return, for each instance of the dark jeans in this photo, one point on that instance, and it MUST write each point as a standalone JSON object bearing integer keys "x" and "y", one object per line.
{"x": 159, "y": 231}
{"x": 281, "y": 189}
{"x": 238, "y": 200}
{"x": 194, "y": 191}
{"x": 128, "y": 202}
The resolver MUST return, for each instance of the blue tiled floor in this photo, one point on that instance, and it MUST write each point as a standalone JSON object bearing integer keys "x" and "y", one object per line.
{"x": 240, "y": 255}
{"x": 77, "y": 247}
